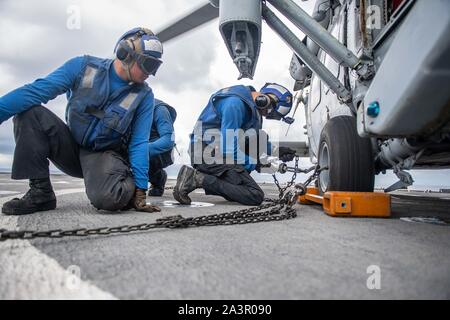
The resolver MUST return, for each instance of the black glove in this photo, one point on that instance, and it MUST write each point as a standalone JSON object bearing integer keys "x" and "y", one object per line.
{"x": 140, "y": 204}
{"x": 286, "y": 154}
{"x": 260, "y": 165}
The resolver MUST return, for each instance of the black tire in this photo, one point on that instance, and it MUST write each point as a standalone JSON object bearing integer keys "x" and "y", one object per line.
{"x": 348, "y": 156}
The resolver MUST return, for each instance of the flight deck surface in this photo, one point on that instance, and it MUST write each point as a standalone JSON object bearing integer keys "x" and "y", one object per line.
{"x": 313, "y": 256}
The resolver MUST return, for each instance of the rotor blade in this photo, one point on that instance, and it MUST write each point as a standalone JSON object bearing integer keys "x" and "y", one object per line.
{"x": 193, "y": 20}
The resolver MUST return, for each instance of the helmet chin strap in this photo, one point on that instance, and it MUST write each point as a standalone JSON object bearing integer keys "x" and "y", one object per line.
{"x": 127, "y": 67}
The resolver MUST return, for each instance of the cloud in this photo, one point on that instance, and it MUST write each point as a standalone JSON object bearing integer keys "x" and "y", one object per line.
{"x": 35, "y": 40}
{"x": 188, "y": 60}
{"x": 5, "y": 161}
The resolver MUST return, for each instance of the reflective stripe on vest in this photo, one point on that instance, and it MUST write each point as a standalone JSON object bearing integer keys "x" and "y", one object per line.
{"x": 88, "y": 78}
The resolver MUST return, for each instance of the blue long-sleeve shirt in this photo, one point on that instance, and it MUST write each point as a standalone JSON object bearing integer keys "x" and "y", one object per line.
{"x": 234, "y": 113}
{"x": 62, "y": 80}
{"x": 164, "y": 126}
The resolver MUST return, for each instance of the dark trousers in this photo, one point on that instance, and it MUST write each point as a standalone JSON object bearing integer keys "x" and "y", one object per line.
{"x": 156, "y": 172}
{"x": 232, "y": 182}
{"x": 41, "y": 136}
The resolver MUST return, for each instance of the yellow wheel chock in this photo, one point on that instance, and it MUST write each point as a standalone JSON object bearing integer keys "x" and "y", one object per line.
{"x": 350, "y": 204}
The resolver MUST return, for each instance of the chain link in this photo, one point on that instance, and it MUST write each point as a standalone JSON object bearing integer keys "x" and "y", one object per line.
{"x": 302, "y": 187}
{"x": 278, "y": 210}
{"x": 281, "y": 190}
{"x": 273, "y": 210}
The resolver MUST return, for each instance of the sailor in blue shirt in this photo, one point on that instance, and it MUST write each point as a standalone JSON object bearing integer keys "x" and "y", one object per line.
{"x": 160, "y": 147}
{"x": 224, "y": 168}
{"x": 105, "y": 137}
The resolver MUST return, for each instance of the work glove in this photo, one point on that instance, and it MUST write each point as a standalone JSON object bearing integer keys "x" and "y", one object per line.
{"x": 272, "y": 168}
{"x": 140, "y": 204}
{"x": 260, "y": 166}
{"x": 268, "y": 164}
{"x": 286, "y": 154}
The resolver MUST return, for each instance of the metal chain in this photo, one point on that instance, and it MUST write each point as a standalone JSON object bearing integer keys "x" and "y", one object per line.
{"x": 281, "y": 190}
{"x": 301, "y": 187}
{"x": 280, "y": 209}
{"x": 244, "y": 216}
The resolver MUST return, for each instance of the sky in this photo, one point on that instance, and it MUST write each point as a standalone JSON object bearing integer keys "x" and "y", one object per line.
{"x": 34, "y": 40}
{"x": 38, "y": 37}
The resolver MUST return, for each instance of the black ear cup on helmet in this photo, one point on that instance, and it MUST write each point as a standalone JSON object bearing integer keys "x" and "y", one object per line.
{"x": 262, "y": 101}
{"x": 124, "y": 52}
{"x": 121, "y": 52}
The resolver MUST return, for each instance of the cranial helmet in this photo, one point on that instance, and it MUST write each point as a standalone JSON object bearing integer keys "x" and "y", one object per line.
{"x": 281, "y": 100}
{"x": 140, "y": 45}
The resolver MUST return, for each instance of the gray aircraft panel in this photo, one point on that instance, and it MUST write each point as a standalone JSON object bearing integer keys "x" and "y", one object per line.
{"x": 422, "y": 45}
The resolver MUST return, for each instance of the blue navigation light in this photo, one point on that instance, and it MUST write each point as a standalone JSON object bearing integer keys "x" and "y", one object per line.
{"x": 373, "y": 110}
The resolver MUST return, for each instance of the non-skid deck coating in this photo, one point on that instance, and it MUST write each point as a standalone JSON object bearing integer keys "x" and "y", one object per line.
{"x": 310, "y": 257}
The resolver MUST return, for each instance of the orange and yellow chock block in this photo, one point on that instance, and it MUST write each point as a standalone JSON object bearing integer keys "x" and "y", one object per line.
{"x": 350, "y": 204}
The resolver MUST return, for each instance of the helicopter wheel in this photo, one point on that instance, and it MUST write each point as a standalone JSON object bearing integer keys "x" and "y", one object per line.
{"x": 348, "y": 158}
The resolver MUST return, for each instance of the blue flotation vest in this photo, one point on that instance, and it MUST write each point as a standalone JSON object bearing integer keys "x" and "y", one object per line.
{"x": 210, "y": 118}
{"x": 100, "y": 120}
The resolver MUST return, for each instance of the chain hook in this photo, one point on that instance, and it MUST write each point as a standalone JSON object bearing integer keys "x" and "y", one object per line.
{"x": 301, "y": 189}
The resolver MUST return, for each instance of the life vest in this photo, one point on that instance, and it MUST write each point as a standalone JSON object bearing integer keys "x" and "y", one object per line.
{"x": 210, "y": 118}
{"x": 97, "y": 118}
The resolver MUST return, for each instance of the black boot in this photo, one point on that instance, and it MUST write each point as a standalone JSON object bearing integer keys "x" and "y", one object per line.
{"x": 158, "y": 182}
{"x": 188, "y": 180}
{"x": 40, "y": 197}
